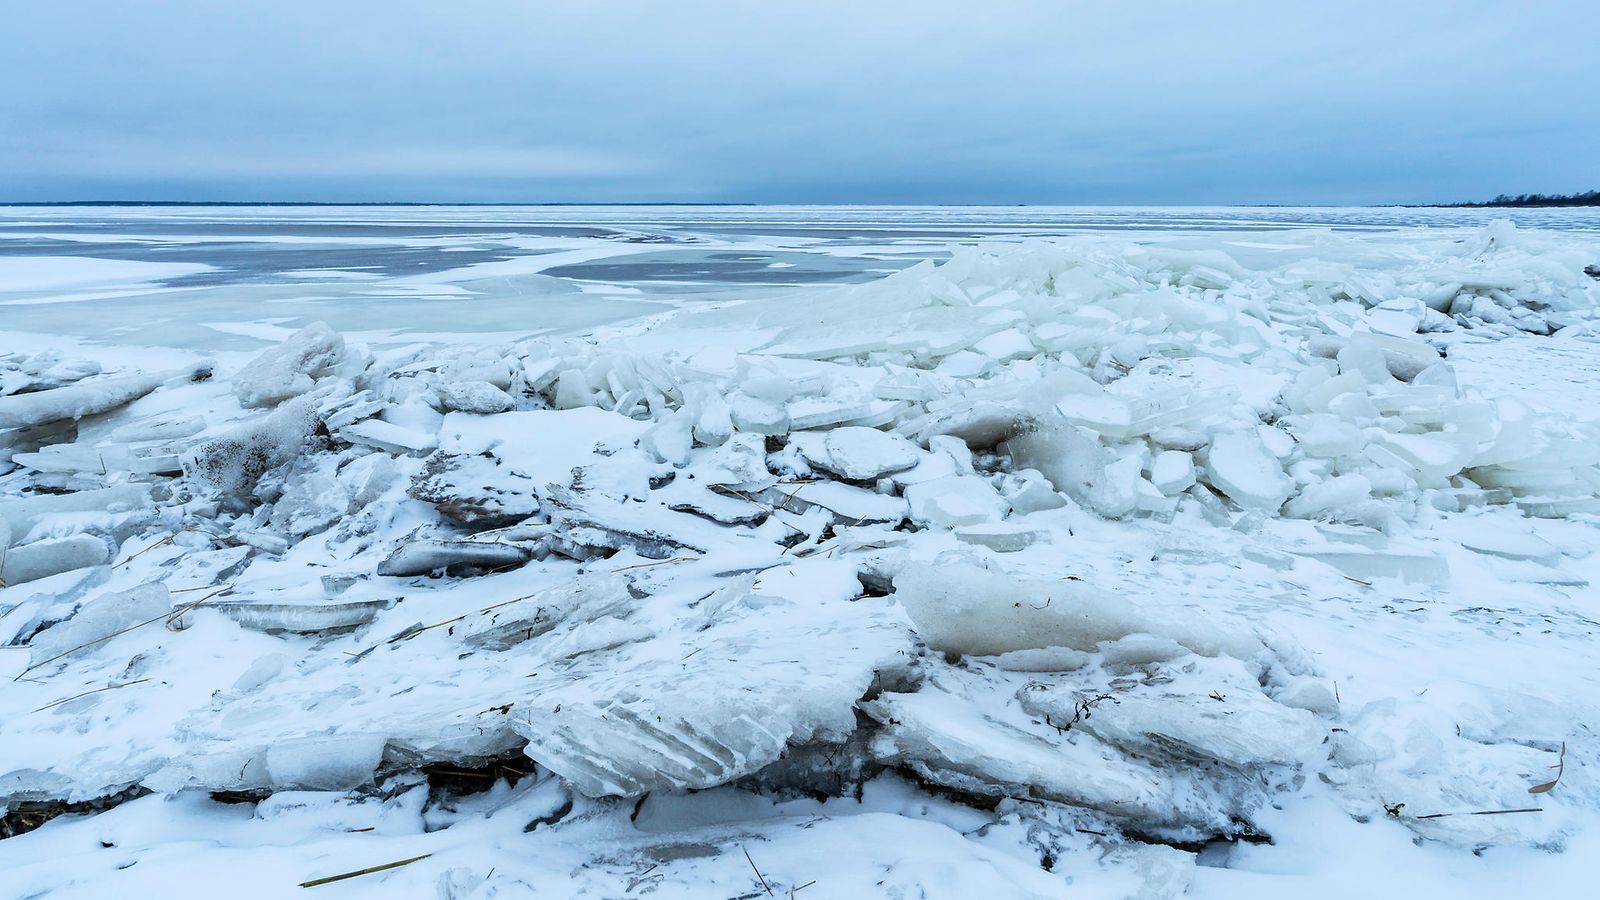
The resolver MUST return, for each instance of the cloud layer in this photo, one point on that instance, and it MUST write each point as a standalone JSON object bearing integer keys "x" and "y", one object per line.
{"x": 828, "y": 102}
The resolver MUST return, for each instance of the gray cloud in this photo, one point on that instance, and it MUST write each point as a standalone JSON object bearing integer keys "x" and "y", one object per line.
{"x": 1003, "y": 101}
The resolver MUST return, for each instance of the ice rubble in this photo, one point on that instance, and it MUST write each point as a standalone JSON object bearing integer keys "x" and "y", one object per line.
{"x": 653, "y": 572}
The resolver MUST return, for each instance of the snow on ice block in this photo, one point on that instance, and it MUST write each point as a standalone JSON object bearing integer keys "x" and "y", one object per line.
{"x": 741, "y": 464}
{"x": 476, "y": 490}
{"x": 848, "y": 501}
{"x": 1101, "y": 413}
{"x": 724, "y": 509}
{"x": 956, "y": 500}
{"x": 474, "y": 397}
{"x": 1396, "y": 321}
{"x": 964, "y": 364}
{"x": 1430, "y": 456}
{"x": 670, "y": 439}
{"x": 713, "y": 417}
{"x": 860, "y": 454}
{"x": 26, "y": 374}
{"x": 1006, "y": 345}
{"x": 159, "y": 427}
{"x": 1323, "y": 496}
{"x": 329, "y": 762}
{"x": 962, "y": 608}
{"x": 1310, "y": 694}
{"x": 1172, "y": 471}
{"x": 1115, "y": 490}
{"x": 946, "y": 456}
{"x": 587, "y": 524}
{"x": 289, "y": 369}
{"x": 1140, "y": 650}
{"x": 1485, "y": 747}
{"x": 1404, "y": 357}
{"x": 389, "y": 437}
{"x": 338, "y": 413}
{"x": 1177, "y": 437}
{"x": 546, "y": 445}
{"x": 1326, "y": 435}
{"x": 584, "y": 599}
{"x": 1239, "y": 465}
{"x": 1027, "y": 491}
{"x": 824, "y": 412}
{"x": 757, "y": 415}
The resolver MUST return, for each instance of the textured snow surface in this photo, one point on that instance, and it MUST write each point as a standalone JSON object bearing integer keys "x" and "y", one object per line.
{"x": 1084, "y": 568}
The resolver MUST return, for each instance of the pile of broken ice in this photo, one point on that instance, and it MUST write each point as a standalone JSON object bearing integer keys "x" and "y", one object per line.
{"x": 845, "y": 545}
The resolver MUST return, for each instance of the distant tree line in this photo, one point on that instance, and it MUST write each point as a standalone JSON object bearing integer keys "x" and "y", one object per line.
{"x": 1587, "y": 198}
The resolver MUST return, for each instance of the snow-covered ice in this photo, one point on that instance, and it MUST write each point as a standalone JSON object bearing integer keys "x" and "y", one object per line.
{"x": 1086, "y": 567}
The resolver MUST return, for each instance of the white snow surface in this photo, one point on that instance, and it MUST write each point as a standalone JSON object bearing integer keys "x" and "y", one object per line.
{"x": 1082, "y": 568}
{"x": 56, "y": 273}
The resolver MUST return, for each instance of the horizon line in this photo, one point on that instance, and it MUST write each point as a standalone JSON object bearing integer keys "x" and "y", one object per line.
{"x": 691, "y": 203}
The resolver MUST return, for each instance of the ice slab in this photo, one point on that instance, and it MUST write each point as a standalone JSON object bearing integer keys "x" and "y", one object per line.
{"x": 303, "y": 615}
{"x": 289, "y": 369}
{"x": 476, "y": 490}
{"x": 863, "y": 454}
{"x": 51, "y": 556}
{"x": 1234, "y": 725}
{"x": 21, "y": 514}
{"x": 1002, "y": 537}
{"x": 1414, "y": 567}
{"x": 423, "y": 557}
{"x": 1239, "y": 464}
{"x": 391, "y": 438}
{"x": 545, "y": 445}
{"x": 676, "y": 713}
{"x": 964, "y": 609}
{"x": 92, "y": 621}
{"x": 474, "y": 397}
{"x": 956, "y": 500}
{"x": 854, "y": 504}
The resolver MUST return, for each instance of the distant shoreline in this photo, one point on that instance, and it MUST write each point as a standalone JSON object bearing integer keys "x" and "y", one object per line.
{"x": 1534, "y": 201}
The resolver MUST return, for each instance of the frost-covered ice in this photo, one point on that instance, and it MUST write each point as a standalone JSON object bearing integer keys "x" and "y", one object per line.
{"x": 1123, "y": 569}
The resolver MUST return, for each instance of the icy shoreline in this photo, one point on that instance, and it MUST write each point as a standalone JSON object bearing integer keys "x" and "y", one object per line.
{"x": 1097, "y": 554}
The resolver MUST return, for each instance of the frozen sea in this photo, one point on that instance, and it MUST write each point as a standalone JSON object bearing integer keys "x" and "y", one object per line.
{"x": 1318, "y": 491}
{"x": 233, "y": 278}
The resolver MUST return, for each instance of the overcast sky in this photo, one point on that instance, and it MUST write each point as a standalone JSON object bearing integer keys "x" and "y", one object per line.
{"x": 986, "y": 101}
